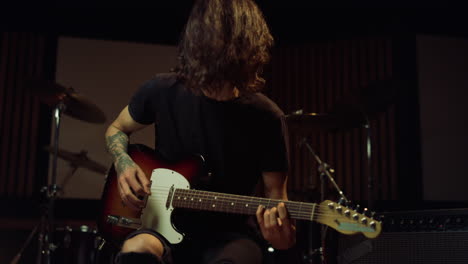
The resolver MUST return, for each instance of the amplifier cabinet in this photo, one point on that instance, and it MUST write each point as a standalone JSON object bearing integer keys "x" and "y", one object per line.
{"x": 429, "y": 236}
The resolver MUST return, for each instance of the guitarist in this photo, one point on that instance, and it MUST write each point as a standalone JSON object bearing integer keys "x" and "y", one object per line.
{"x": 211, "y": 105}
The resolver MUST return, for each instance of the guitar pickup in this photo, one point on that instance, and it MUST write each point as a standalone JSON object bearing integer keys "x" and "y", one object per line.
{"x": 124, "y": 221}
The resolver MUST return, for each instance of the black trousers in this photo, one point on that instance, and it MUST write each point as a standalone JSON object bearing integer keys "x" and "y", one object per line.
{"x": 220, "y": 248}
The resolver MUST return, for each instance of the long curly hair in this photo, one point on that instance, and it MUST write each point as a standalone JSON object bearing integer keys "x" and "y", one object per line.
{"x": 224, "y": 43}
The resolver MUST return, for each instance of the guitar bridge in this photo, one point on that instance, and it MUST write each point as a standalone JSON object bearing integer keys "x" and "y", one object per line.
{"x": 124, "y": 221}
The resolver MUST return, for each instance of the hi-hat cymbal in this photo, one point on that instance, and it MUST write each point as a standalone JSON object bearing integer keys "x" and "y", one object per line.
{"x": 78, "y": 159}
{"x": 76, "y": 105}
{"x": 322, "y": 122}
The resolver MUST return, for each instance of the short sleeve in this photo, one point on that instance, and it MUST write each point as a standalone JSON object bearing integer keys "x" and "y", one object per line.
{"x": 275, "y": 151}
{"x": 142, "y": 106}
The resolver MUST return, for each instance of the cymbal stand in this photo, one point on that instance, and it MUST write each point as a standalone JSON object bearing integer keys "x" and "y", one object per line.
{"x": 45, "y": 227}
{"x": 370, "y": 179}
{"x": 325, "y": 173}
{"x": 46, "y": 239}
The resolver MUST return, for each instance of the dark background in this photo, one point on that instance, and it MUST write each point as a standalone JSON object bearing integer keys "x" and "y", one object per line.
{"x": 293, "y": 21}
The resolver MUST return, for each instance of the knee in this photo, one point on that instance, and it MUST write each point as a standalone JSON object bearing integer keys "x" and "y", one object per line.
{"x": 243, "y": 251}
{"x": 144, "y": 243}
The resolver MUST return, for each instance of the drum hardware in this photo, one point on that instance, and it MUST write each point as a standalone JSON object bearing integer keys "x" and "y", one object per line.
{"x": 100, "y": 242}
{"x": 76, "y": 160}
{"x": 354, "y": 110}
{"x": 364, "y": 104}
{"x": 64, "y": 101}
{"x": 325, "y": 122}
{"x": 79, "y": 159}
{"x": 79, "y": 245}
{"x": 76, "y": 105}
{"x": 326, "y": 172}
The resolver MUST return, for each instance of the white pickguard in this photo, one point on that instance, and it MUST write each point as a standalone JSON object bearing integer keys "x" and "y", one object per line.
{"x": 157, "y": 213}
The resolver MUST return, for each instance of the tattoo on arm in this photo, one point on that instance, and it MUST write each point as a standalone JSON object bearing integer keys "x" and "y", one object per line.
{"x": 124, "y": 162}
{"x": 117, "y": 143}
{"x": 117, "y": 147}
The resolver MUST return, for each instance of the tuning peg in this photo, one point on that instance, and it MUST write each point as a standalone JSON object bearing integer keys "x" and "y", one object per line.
{"x": 339, "y": 209}
{"x": 364, "y": 220}
{"x": 356, "y": 217}
{"x": 347, "y": 213}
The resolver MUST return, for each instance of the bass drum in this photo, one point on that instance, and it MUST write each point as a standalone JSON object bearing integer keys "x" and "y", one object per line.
{"x": 76, "y": 245}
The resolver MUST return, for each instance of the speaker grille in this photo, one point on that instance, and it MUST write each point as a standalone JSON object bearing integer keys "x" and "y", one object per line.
{"x": 429, "y": 236}
{"x": 410, "y": 247}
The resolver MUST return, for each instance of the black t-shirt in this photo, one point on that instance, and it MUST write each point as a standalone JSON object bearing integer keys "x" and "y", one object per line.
{"x": 238, "y": 139}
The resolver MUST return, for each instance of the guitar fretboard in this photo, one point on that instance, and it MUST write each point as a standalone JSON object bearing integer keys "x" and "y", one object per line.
{"x": 239, "y": 204}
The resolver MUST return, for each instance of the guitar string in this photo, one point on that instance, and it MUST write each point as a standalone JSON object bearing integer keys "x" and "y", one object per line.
{"x": 295, "y": 214}
{"x": 223, "y": 199}
{"x": 207, "y": 194}
{"x": 200, "y": 194}
{"x": 226, "y": 199}
{"x": 316, "y": 217}
{"x": 302, "y": 215}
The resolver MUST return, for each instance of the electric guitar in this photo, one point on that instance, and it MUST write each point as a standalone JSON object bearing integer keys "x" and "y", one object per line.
{"x": 170, "y": 189}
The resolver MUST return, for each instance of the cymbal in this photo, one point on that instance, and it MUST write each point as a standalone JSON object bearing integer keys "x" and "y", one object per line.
{"x": 322, "y": 122}
{"x": 76, "y": 105}
{"x": 78, "y": 159}
{"x": 367, "y": 101}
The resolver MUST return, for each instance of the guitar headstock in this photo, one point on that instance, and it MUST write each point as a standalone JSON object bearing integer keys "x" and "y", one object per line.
{"x": 346, "y": 220}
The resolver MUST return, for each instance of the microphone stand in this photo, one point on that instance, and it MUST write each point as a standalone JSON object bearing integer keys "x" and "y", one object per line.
{"x": 325, "y": 172}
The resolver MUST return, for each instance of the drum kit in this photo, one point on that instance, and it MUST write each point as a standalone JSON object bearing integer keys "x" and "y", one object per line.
{"x": 64, "y": 244}
{"x": 354, "y": 110}
{"x": 81, "y": 244}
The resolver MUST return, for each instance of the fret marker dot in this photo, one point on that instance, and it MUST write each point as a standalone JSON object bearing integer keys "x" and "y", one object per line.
{"x": 191, "y": 199}
{"x": 246, "y": 205}
{"x": 214, "y": 205}
{"x": 216, "y": 197}
{"x": 232, "y": 203}
{"x": 185, "y": 198}
{"x": 199, "y": 200}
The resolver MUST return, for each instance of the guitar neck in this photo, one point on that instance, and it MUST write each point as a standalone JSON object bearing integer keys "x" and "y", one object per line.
{"x": 239, "y": 204}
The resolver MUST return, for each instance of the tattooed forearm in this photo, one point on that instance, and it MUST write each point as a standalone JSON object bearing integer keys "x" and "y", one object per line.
{"x": 117, "y": 146}
{"x": 123, "y": 162}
